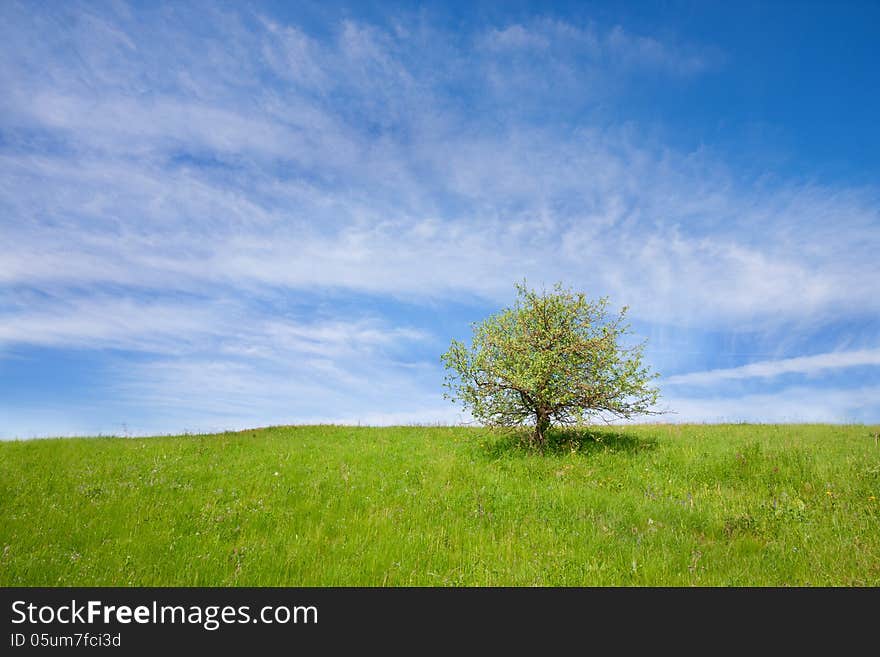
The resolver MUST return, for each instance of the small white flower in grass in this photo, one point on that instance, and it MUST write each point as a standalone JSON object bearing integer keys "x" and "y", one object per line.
{"x": 276, "y": 474}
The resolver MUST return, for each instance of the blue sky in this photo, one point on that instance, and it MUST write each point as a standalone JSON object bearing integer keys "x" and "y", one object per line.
{"x": 216, "y": 216}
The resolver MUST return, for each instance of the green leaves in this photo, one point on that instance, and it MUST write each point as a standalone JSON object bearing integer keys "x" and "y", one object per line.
{"x": 553, "y": 357}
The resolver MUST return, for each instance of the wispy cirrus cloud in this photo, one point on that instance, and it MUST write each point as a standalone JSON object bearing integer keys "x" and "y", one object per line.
{"x": 792, "y": 404}
{"x": 280, "y": 157}
{"x": 190, "y": 325}
{"x": 772, "y": 368}
{"x": 615, "y": 48}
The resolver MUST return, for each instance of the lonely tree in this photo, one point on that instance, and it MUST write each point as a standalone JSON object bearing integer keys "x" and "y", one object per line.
{"x": 553, "y": 357}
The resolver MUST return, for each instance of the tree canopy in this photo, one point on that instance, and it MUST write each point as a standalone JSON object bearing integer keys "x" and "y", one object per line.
{"x": 554, "y": 357}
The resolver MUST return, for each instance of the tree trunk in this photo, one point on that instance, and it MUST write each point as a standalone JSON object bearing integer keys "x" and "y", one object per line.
{"x": 542, "y": 423}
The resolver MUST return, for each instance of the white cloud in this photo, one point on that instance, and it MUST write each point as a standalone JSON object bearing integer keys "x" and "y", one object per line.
{"x": 515, "y": 37}
{"x": 194, "y": 326}
{"x": 644, "y": 51}
{"x": 294, "y": 55}
{"x": 615, "y": 48}
{"x": 186, "y": 231}
{"x": 795, "y": 404}
{"x": 771, "y": 368}
{"x": 121, "y": 323}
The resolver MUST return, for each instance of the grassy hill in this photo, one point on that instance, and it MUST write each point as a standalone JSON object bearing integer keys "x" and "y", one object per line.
{"x": 299, "y": 506}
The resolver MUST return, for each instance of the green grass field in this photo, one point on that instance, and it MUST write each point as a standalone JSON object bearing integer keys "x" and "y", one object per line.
{"x": 302, "y": 506}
